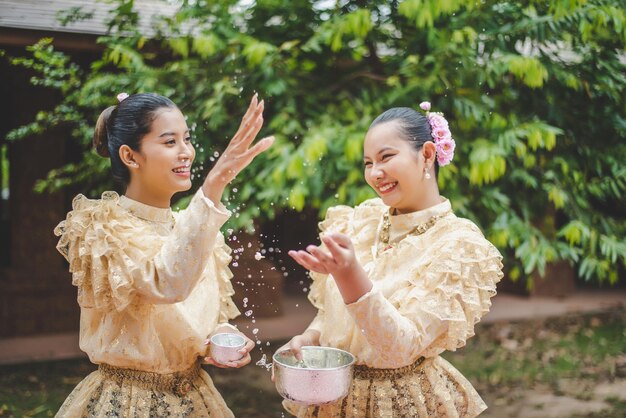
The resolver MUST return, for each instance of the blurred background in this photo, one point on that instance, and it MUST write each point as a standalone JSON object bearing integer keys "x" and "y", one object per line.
{"x": 534, "y": 94}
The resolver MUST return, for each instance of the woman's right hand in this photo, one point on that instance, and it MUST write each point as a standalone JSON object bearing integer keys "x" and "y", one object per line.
{"x": 308, "y": 337}
{"x": 239, "y": 153}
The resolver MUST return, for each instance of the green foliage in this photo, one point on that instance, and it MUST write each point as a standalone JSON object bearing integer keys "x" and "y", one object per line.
{"x": 533, "y": 90}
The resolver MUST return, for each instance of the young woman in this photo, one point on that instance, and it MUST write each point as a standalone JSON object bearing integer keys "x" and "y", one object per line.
{"x": 400, "y": 279}
{"x": 153, "y": 285}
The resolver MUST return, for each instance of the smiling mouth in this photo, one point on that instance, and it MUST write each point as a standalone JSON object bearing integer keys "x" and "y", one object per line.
{"x": 184, "y": 170}
{"x": 387, "y": 187}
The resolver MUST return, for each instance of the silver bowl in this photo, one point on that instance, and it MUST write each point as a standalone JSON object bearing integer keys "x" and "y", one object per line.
{"x": 324, "y": 375}
{"x": 225, "y": 347}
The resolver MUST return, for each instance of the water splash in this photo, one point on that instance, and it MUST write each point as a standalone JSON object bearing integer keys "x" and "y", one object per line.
{"x": 263, "y": 363}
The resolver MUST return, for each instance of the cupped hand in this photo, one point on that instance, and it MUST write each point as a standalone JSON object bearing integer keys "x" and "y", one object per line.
{"x": 245, "y": 352}
{"x": 340, "y": 262}
{"x": 339, "y": 258}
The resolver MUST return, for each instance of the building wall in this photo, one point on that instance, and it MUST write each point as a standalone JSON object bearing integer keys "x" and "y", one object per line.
{"x": 35, "y": 295}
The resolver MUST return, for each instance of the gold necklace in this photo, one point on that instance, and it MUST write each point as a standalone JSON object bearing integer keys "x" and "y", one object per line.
{"x": 418, "y": 230}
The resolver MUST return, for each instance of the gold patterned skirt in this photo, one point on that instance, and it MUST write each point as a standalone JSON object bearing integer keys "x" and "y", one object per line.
{"x": 116, "y": 392}
{"x": 429, "y": 388}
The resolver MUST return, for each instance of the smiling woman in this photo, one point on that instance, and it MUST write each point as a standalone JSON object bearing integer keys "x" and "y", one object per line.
{"x": 153, "y": 287}
{"x": 400, "y": 279}
{"x": 147, "y": 138}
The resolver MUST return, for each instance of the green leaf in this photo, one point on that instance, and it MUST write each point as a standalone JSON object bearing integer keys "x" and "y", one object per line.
{"x": 487, "y": 162}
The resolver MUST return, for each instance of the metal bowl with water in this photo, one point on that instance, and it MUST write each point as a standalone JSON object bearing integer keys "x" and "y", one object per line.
{"x": 324, "y": 375}
{"x": 225, "y": 347}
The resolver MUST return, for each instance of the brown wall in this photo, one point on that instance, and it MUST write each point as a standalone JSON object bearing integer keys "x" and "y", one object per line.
{"x": 35, "y": 294}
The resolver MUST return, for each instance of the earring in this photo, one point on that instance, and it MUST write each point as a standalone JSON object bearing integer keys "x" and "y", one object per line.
{"x": 426, "y": 174}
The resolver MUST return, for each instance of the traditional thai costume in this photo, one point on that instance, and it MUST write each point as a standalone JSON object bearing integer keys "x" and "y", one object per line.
{"x": 433, "y": 276}
{"x": 152, "y": 285}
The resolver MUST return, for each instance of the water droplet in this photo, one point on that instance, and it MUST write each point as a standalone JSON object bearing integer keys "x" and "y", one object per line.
{"x": 263, "y": 362}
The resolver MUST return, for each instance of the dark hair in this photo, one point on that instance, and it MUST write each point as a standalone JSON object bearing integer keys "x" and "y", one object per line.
{"x": 413, "y": 126}
{"x": 126, "y": 124}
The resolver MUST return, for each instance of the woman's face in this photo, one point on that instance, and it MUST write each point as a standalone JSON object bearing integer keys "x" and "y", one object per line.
{"x": 163, "y": 163}
{"x": 393, "y": 168}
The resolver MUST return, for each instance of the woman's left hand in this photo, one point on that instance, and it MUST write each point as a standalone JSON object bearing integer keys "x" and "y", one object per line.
{"x": 340, "y": 262}
{"x": 245, "y": 351}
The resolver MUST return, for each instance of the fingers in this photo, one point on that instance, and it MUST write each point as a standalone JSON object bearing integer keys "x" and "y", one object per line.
{"x": 251, "y": 129}
{"x": 341, "y": 239}
{"x": 339, "y": 247}
{"x": 241, "y": 362}
{"x": 229, "y": 364}
{"x": 296, "y": 256}
{"x": 322, "y": 256}
{"x": 334, "y": 248}
{"x": 248, "y": 347}
{"x": 295, "y": 345}
{"x": 309, "y": 258}
{"x": 249, "y": 115}
{"x": 307, "y": 261}
{"x": 210, "y": 361}
{"x": 297, "y": 349}
{"x": 251, "y": 124}
{"x": 259, "y": 147}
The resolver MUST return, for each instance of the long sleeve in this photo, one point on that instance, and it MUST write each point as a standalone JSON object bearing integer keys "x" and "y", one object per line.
{"x": 437, "y": 308}
{"x": 116, "y": 258}
{"x": 179, "y": 264}
{"x": 396, "y": 338}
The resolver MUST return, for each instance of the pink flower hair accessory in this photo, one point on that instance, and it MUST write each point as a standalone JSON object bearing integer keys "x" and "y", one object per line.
{"x": 121, "y": 97}
{"x": 442, "y": 137}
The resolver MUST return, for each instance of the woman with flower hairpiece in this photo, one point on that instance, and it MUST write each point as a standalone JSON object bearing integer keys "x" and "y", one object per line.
{"x": 153, "y": 285}
{"x": 399, "y": 279}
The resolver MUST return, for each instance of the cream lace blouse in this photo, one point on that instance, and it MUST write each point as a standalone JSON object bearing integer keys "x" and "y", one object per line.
{"x": 152, "y": 284}
{"x": 429, "y": 290}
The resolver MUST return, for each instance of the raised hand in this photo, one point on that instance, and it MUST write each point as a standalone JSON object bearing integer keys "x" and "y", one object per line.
{"x": 239, "y": 153}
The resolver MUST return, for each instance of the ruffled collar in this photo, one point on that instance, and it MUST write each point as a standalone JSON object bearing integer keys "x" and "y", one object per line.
{"x": 147, "y": 212}
{"x": 401, "y": 225}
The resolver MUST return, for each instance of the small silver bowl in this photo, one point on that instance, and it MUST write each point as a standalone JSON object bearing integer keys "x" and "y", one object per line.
{"x": 323, "y": 376}
{"x": 225, "y": 347}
